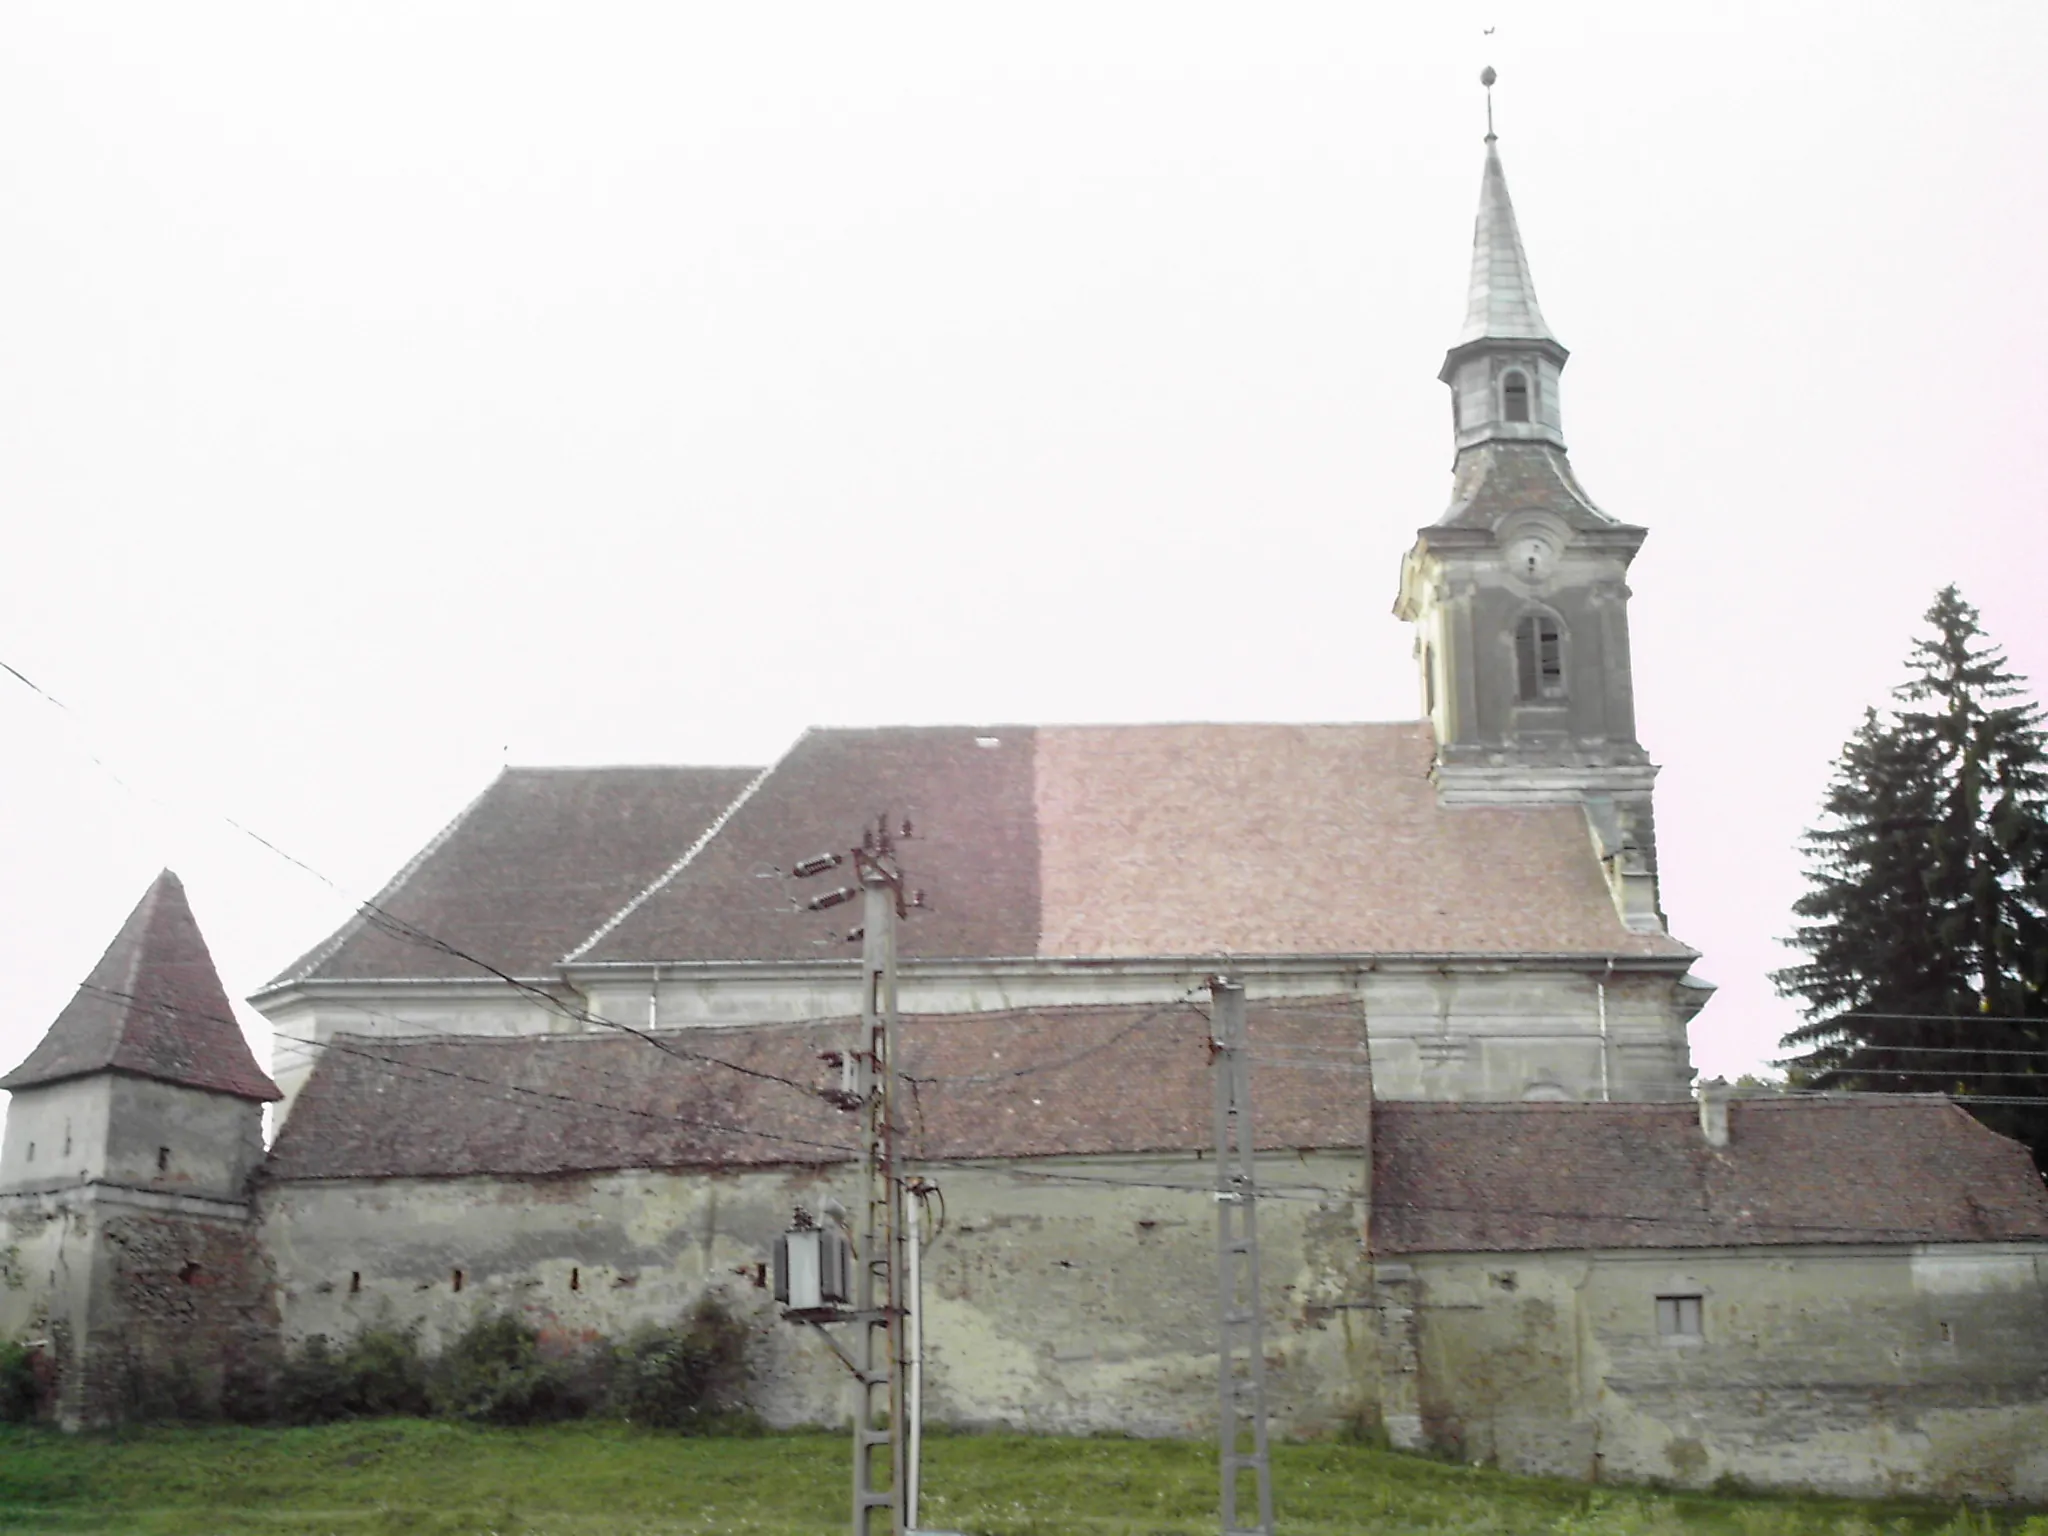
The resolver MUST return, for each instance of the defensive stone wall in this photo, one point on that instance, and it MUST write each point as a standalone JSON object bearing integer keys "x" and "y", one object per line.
{"x": 1915, "y": 1369}
{"x": 144, "y": 1305}
{"x": 1061, "y": 1295}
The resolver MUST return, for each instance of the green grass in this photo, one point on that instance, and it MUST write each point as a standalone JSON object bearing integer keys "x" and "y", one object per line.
{"x": 442, "y": 1479}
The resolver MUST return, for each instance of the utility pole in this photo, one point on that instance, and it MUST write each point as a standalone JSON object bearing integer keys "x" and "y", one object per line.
{"x": 878, "y": 1283}
{"x": 884, "y": 1491}
{"x": 1241, "y": 1359}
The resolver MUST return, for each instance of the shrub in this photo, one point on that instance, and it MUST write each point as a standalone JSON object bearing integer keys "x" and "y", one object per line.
{"x": 377, "y": 1374}
{"x": 20, "y": 1392}
{"x": 495, "y": 1373}
{"x": 150, "y": 1389}
{"x": 688, "y": 1377}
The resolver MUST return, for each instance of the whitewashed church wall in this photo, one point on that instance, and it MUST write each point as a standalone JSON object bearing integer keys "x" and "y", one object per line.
{"x": 302, "y": 1022}
{"x": 1054, "y": 1306}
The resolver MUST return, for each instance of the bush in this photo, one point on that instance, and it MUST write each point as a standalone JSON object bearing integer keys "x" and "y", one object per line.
{"x": 20, "y": 1392}
{"x": 495, "y": 1373}
{"x": 688, "y": 1377}
{"x": 380, "y": 1373}
{"x": 152, "y": 1389}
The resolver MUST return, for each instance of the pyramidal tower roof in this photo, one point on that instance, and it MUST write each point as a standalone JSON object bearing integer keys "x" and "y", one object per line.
{"x": 154, "y": 1007}
{"x": 1501, "y": 305}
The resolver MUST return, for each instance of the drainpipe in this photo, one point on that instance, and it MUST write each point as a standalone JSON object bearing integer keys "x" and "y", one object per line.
{"x": 1601, "y": 986}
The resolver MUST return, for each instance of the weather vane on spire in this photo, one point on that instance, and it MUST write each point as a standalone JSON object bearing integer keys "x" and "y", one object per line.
{"x": 1486, "y": 78}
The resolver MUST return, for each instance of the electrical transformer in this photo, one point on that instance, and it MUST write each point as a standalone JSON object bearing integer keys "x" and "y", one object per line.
{"x": 813, "y": 1267}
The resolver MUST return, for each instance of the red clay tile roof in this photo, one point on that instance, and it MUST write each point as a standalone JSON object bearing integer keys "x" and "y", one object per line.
{"x": 1450, "y": 1178}
{"x": 1054, "y": 841}
{"x": 1147, "y": 840}
{"x": 1301, "y": 839}
{"x": 153, "y": 1006}
{"x": 974, "y": 853}
{"x": 1038, "y": 1083}
{"x": 534, "y": 863}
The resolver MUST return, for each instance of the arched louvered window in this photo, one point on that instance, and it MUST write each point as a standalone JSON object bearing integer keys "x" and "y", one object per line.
{"x": 1514, "y": 396}
{"x": 1539, "y": 658}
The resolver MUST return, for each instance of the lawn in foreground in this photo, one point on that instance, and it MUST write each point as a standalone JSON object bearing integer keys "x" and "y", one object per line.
{"x": 442, "y": 1479}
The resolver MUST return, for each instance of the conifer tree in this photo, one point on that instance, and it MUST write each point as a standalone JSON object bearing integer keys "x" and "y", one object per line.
{"x": 1925, "y": 922}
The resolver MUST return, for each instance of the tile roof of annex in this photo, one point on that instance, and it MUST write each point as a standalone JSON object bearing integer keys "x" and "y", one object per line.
{"x": 1016, "y": 1084}
{"x": 1529, "y": 1177}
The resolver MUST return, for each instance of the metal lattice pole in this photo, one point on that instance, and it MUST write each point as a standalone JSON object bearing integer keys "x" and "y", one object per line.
{"x": 1241, "y": 1367}
{"x": 878, "y": 1310}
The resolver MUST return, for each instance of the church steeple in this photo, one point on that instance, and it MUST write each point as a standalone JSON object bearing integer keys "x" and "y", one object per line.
{"x": 1518, "y": 592}
{"x": 1501, "y": 304}
{"x": 1503, "y": 369}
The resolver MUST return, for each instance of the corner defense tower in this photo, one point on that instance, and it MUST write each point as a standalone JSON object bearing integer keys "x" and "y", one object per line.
{"x": 1519, "y": 592}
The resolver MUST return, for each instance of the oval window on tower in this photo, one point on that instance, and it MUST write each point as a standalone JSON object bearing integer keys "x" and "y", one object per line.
{"x": 1514, "y": 395}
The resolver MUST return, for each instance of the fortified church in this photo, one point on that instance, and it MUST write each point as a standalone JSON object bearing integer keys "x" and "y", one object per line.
{"x": 568, "y": 1065}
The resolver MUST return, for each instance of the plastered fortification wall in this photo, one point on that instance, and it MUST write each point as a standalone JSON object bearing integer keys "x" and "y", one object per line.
{"x": 144, "y": 1303}
{"x": 126, "y": 1249}
{"x": 1854, "y": 1370}
{"x": 57, "y": 1133}
{"x": 1051, "y": 1306}
{"x": 134, "y": 1132}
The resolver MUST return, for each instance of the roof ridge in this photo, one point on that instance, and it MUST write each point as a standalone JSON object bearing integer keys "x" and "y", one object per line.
{"x": 313, "y": 959}
{"x": 689, "y": 856}
{"x": 627, "y": 768}
{"x": 130, "y": 982}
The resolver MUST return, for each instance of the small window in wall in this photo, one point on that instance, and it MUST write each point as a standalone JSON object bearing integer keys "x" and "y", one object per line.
{"x": 355, "y": 1282}
{"x": 163, "y": 1159}
{"x": 1678, "y": 1317}
{"x": 575, "y": 1279}
{"x": 455, "y": 1280}
{"x": 1539, "y": 658}
{"x": 1514, "y": 396}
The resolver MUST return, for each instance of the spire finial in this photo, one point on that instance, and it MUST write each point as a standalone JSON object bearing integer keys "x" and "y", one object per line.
{"x": 1486, "y": 78}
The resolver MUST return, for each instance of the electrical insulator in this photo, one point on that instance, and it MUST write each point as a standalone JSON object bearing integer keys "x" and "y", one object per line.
{"x": 832, "y": 898}
{"x": 813, "y": 1269}
{"x": 817, "y": 865}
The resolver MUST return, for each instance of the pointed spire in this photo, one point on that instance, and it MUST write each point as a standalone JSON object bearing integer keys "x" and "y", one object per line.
{"x": 1501, "y": 305}
{"x": 153, "y": 1006}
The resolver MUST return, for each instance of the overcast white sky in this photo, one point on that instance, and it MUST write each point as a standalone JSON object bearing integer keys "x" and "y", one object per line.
{"x": 389, "y": 391}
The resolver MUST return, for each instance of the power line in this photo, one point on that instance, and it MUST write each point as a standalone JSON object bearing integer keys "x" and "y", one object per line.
{"x": 1327, "y": 1193}
{"x": 400, "y": 928}
{"x": 346, "y": 1045}
{"x": 1948, "y": 1018}
{"x": 1181, "y": 1002}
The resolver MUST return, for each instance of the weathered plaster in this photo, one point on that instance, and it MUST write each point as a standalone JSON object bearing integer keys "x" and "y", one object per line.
{"x": 1056, "y": 1300}
{"x": 1910, "y": 1369}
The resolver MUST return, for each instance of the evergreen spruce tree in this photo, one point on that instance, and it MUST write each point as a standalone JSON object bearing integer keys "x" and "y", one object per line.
{"x": 1925, "y": 924}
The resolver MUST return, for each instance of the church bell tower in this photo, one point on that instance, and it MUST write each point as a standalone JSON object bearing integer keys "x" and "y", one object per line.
{"x": 1519, "y": 592}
